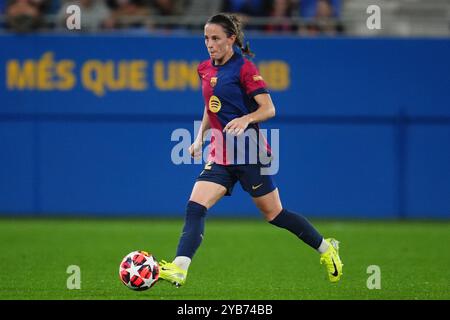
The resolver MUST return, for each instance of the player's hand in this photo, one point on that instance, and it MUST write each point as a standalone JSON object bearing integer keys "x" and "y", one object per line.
{"x": 237, "y": 126}
{"x": 195, "y": 150}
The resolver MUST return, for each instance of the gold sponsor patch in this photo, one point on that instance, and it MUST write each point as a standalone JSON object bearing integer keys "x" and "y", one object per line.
{"x": 214, "y": 104}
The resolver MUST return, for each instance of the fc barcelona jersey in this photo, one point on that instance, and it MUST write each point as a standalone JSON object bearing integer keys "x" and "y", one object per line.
{"x": 228, "y": 92}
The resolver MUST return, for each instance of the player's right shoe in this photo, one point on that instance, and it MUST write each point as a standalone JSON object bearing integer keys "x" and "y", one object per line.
{"x": 171, "y": 272}
{"x": 332, "y": 260}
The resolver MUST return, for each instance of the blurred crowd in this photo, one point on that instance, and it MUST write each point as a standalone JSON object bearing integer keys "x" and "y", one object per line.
{"x": 307, "y": 17}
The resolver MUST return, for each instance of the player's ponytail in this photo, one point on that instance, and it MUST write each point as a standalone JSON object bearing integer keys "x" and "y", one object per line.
{"x": 232, "y": 26}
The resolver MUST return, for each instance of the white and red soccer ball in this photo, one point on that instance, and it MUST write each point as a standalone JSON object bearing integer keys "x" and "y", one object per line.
{"x": 139, "y": 270}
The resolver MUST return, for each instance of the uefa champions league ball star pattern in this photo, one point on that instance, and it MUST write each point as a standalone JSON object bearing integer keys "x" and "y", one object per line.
{"x": 139, "y": 270}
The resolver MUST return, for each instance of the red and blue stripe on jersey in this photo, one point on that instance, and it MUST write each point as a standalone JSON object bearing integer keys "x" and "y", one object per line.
{"x": 228, "y": 91}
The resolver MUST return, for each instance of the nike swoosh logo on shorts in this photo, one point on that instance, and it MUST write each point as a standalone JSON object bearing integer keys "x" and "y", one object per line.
{"x": 256, "y": 187}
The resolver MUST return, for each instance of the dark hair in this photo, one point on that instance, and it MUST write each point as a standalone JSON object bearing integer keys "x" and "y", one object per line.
{"x": 232, "y": 26}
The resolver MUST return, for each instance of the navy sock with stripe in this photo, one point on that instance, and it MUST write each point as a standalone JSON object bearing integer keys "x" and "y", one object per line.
{"x": 193, "y": 230}
{"x": 300, "y": 226}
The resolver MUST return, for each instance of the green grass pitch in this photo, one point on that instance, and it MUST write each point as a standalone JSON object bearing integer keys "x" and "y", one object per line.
{"x": 239, "y": 259}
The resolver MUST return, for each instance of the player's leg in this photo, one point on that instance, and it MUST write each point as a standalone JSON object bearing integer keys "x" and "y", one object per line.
{"x": 266, "y": 197}
{"x": 271, "y": 207}
{"x": 204, "y": 195}
{"x": 213, "y": 183}
{"x": 273, "y": 211}
{"x": 207, "y": 193}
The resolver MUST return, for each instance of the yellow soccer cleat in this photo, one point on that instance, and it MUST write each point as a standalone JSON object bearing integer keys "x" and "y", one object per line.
{"x": 332, "y": 261}
{"x": 171, "y": 272}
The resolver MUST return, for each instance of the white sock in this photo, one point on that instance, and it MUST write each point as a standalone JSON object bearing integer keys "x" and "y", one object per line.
{"x": 323, "y": 246}
{"x": 182, "y": 262}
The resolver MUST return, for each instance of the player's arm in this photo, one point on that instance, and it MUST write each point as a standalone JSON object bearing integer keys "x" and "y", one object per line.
{"x": 265, "y": 111}
{"x": 196, "y": 148}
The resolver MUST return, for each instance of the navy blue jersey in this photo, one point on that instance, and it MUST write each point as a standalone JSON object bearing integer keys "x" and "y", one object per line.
{"x": 229, "y": 91}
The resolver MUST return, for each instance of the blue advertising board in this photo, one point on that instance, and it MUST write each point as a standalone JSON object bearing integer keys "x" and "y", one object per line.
{"x": 86, "y": 125}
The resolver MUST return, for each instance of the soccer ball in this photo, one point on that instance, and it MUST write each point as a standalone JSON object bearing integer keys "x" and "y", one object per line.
{"x": 139, "y": 270}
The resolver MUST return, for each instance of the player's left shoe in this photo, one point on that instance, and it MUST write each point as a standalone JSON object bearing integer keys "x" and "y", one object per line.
{"x": 169, "y": 271}
{"x": 332, "y": 260}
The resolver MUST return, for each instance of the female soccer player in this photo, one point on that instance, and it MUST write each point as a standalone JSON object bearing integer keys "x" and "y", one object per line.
{"x": 236, "y": 100}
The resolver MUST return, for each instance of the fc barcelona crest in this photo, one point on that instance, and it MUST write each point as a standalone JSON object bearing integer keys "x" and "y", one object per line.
{"x": 213, "y": 81}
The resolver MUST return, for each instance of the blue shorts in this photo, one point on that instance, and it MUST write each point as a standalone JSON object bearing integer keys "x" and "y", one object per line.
{"x": 249, "y": 175}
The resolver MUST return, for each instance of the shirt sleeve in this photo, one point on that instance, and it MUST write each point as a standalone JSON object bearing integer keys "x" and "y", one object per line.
{"x": 198, "y": 70}
{"x": 201, "y": 69}
{"x": 251, "y": 80}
